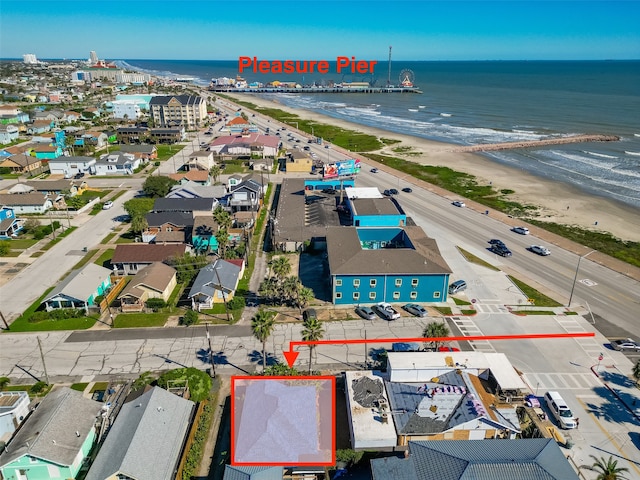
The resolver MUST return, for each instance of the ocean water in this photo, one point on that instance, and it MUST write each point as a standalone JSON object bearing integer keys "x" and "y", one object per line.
{"x": 484, "y": 102}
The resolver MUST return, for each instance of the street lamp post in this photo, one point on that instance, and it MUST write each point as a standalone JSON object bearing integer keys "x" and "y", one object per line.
{"x": 575, "y": 278}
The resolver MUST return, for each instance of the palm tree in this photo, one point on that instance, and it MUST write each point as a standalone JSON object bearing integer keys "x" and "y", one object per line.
{"x": 222, "y": 218}
{"x": 636, "y": 371}
{"x": 312, "y": 331}
{"x": 262, "y": 326}
{"x": 607, "y": 469}
{"x": 434, "y": 330}
{"x": 280, "y": 267}
{"x": 290, "y": 288}
{"x": 305, "y": 295}
{"x": 222, "y": 237}
{"x": 269, "y": 288}
{"x": 215, "y": 172}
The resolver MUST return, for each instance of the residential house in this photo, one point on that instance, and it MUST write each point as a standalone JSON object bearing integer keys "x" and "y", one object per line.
{"x": 70, "y": 166}
{"x": 8, "y": 133}
{"x": 80, "y": 288}
{"x": 155, "y": 281}
{"x": 202, "y": 206}
{"x": 297, "y": 161}
{"x": 147, "y": 439}
{"x": 116, "y": 163}
{"x": 129, "y": 259}
{"x": 23, "y": 164}
{"x": 71, "y": 116}
{"x": 40, "y": 126}
{"x": 246, "y": 145}
{"x": 371, "y": 265}
{"x": 167, "y": 135}
{"x": 195, "y": 190}
{"x": 479, "y": 459}
{"x": 186, "y": 110}
{"x": 367, "y": 207}
{"x": 9, "y": 224}
{"x": 55, "y": 188}
{"x": 246, "y": 196}
{"x": 9, "y": 110}
{"x": 200, "y": 177}
{"x": 55, "y": 440}
{"x": 215, "y": 283}
{"x": 203, "y": 234}
{"x": 200, "y": 160}
{"x": 132, "y": 135}
{"x": 126, "y": 109}
{"x": 167, "y": 227}
{"x": 14, "y": 408}
{"x": 26, "y": 202}
{"x": 46, "y": 115}
{"x": 143, "y": 152}
{"x": 47, "y": 152}
{"x": 234, "y": 180}
{"x": 95, "y": 139}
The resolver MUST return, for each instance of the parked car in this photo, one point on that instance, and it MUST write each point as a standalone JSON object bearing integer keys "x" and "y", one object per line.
{"x": 405, "y": 347}
{"x": 415, "y": 309}
{"x": 495, "y": 241}
{"x": 393, "y": 191}
{"x": 625, "y": 344}
{"x": 107, "y": 205}
{"x": 560, "y": 410}
{"x": 445, "y": 348}
{"x": 309, "y": 313}
{"x": 386, "y": 311}
{"x": 374, "y": 170}
{"x": 458, "y": 203}
{"x": 407, "y": 190}
{"x": 501, "y": 250}
{"x": 540, "y": 250}
{"x": 457, "y": 286}
{"x": 532, "y": 401}
{"x": 387, "y": 193}
{"x": 366, "y": 313}
{"x": 78, "y": 175}
{"x": 521, "y": 230}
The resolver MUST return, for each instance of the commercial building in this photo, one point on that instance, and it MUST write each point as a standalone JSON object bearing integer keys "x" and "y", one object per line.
{"x": 186, "y": 110}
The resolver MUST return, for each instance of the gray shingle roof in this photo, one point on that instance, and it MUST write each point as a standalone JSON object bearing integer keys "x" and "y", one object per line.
{"x": 179, "y": 219}
{"x": 146, "y": 253}
{"x": 184, "y": 204}
{"x": 252, "y": 473}
{"x": 183, "y": 99}
{"x": 82, "y": 283}
{"x": 49, "y": 433}
{"x": 524, "y": 459}
{"x": 208, "y": 281}
{"x": 146, "y": 439}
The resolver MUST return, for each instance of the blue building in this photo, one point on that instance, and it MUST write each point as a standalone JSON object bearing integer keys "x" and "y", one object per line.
{"x": 369, "y": 208}
{"x": 385, "y": 264}
{"x": 333, "y": 183}
{"x": 9, "y": 224}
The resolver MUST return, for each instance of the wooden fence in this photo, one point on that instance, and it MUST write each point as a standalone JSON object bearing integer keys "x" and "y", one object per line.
{"x": 119, "y": 284}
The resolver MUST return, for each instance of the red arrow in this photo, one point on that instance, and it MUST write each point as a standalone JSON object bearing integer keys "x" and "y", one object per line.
{"x": 291, "y": 355}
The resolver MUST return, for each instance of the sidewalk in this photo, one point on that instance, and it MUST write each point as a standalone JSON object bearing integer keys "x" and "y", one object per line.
{"x": 621, "y": 386}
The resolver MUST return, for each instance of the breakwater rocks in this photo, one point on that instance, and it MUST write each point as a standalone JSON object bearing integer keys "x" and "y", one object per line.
{"x": 489, "y": 147}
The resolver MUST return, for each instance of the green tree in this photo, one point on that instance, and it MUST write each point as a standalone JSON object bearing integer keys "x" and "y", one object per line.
{"x": 262, "y": 325}
{"x": 435, "y": 330}
{"x": 215, "y": 172}
{"x": 145, "y": 378}
{"x": 138, "y": 207}
{"x": 305, "y": 295}
{"x": 269, "y": 289}
{"x": 607, "y": 469}
{"x": 281, "y": 370}
{"x": 139, "y": 224}
{"x": 187, "y": 266}
{"x": 312, "y": 330}
{"x": 636, "y": 371}
{"x": 5, "y": 248}
{"x": 76, "y": 202}
{"x": 158, "y": 186}
{"x": 222, "y": 218}
{"x": 199, "y": 382}
{"x": 190, "y": 317}
{"x": 4, "y": 381}
{"x": 280, "y": 267}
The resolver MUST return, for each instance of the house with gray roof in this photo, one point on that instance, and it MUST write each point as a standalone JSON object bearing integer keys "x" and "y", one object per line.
{"x": 215, "y": 283}
{"x": 192, "y": 189}
{"x": 232, "y": 472}
{"x": 170, "y": 227}
{"x": 203, "y": 206}
{"x": 70, "y": 166}
{"x": 54, "y": 440}
{"x": 80, "y": 288}
{"x": 14, "y": 409}
{"x": 525, "y": 459}
{"x": 385, "y": 264}
{"x": 26, "y": 202}
{"x": 117, "y": 163}
{"x": 130, "y": 258}
{"x": 147, "y": 438}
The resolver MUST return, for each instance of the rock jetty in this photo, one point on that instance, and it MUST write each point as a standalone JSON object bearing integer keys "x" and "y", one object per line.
{"x": 535, "y": 143}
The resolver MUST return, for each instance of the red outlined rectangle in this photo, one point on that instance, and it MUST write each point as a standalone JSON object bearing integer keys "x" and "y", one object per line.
{"x": 235, "y": 422}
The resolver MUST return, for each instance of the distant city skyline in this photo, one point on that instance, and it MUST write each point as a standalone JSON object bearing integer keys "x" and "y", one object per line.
{"x": 322, "y": 30}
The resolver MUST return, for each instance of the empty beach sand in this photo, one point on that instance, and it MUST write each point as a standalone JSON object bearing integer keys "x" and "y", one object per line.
{"x": 557, "y": 202}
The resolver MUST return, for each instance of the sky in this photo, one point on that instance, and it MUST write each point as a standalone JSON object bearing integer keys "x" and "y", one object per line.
{"x": 321, "y": 30}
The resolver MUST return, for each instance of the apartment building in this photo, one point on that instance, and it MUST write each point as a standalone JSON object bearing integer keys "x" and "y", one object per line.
{"x": 186, "y": 110}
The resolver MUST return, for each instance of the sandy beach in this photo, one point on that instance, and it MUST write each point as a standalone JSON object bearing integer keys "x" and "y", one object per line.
{"x": 557, "y": 202}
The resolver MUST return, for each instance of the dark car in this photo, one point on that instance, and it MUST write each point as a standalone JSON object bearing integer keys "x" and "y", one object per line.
{"x": 366, "y": 313}
{"x": 387, "y": 193}
{"x": 309, "y": 313}
{"x": 78, "y": 175}
{"x": 495, "y": 241}
{"x": 374, "y": 170}
{"x": 501, "y": 250}
{"x": 407, "y": 190}
{"x": 393, "y": 191}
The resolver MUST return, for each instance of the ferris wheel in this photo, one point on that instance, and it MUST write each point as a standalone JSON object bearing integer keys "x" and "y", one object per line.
{"x": 407, "y": 78}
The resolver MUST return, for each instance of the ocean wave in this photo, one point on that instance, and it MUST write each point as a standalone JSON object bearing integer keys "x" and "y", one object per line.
{"x": 602, "y": 155}
{"x": 636, "y": 134}
{"x": 445, "y": 115}
{"x": 421, "y": 106}
{"x": 413, "y": 109}
{"x": 635, "y": 154}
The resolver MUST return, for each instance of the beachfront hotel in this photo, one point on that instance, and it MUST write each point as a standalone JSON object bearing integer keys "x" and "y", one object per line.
{"x": 170, "y": 110}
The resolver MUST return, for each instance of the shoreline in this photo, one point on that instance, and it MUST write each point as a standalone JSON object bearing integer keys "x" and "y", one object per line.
{"x": 557, "y": 202}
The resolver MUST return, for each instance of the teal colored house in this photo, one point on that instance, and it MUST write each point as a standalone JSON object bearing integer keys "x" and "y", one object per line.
{"x": 80, "y": 288}
{"x": 369, "y": 208}
{"x": 54, "y": 440}
{"x": 47, "y": 152}
{"x": 385, "y": 264}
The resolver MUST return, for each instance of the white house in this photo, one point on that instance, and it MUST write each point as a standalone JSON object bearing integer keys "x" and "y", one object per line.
{"x": 116, "y": 164}
{"x": 14, "y": 408}
{"x": 8, "y": 133}
{"x": 126, "y": 109}
{"x": 69, "y": 166}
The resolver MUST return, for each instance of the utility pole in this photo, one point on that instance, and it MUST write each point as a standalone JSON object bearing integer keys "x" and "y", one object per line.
{"x": 211, "y": 359}
{"x": 6, "y": 325}
{"x": 53, "y": 230}
{"x": 44, "y": 366}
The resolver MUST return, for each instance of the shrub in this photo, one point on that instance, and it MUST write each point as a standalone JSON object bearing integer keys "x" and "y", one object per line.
{"x": 5, "y": 170}
{"x": 156, "y": 164}
{"x": 38, "y": 387}
{"x": 190, "y": 317}
{"x": 61, "y": 314}
{"x": 5, "y": 247}
{"x": 236, "y": 303}
{"x": 155, "y": 304}
{"x": 4, "y": 381}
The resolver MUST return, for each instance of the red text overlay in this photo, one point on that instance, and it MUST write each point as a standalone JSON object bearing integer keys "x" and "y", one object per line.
{"x": 343, "y": 65}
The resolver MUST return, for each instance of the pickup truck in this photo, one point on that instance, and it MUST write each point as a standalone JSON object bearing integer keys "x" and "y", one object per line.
{"x": 386, "y": 311}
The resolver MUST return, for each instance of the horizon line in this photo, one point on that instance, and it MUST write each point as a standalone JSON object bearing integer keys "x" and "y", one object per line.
{"x": 293, "y": 59}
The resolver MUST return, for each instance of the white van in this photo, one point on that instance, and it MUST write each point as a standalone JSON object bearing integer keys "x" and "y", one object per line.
{"x": 560, "y": 410}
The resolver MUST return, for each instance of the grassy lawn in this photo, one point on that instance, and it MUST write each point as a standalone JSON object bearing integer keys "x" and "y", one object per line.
{"x": 470, "y": 257}
{"x": 99, "y": 386}
{"x": 22, "y": 325}
{"x": 67, "y": 232}
{"x": 165, "y": 152}
{"x": 12, "y": 253}
{"x": 104, "y": 260}
{"x": 538, "y": 298}
{"x": 140, "y": 320}
{"x": 459, "y": 301}
{"x": 85, "y": 260}
{"x": 108, "y": 238}
{"x": 235, "y": 166}
{"x": 444, "y": 310}
{"x": 79, "y": 386}
{"x": 23, "y": 243}
{"x": 126, "y": 237}
{"x": 533, "y": 312}
{"x": 36, "y": 254}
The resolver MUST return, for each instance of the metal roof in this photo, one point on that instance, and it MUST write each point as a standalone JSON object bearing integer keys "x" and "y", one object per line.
{"x": 82, "y": 283}
{"x": 252, "y": 473}
{"x": 215, "y": 275}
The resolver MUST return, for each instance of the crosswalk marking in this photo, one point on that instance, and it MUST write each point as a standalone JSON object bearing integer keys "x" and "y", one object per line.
{"x": 565, "y": 381}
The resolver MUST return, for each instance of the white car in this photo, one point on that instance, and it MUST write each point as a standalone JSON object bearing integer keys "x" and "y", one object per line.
{"x": 540, "y": 250}
{"x": 458, "y": 203}
{"x": 625, "y": 344}
{"x": 521, "y": 230}
{"x": 107, "y": 205}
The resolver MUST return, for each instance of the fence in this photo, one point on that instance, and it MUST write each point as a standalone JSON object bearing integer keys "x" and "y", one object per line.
{"x": 120, "y": 282}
